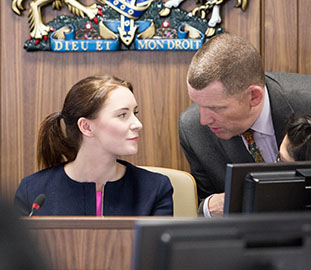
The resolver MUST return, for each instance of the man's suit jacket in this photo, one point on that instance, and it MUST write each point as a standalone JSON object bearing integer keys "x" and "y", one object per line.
{"x": 208, "y": 155}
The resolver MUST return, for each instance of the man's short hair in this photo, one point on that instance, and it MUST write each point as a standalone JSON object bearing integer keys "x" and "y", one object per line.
{"x": 229, "y": 59}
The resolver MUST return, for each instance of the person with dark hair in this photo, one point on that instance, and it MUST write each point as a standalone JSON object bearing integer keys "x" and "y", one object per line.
{"x": 239, "y": 113}
{"x": 296, "y": 145}
{"x": 78, "y": 151}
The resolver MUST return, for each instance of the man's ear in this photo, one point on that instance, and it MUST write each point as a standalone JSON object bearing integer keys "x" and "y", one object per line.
{"x": 256, "y": 94}
{"x": 85, "y": 126}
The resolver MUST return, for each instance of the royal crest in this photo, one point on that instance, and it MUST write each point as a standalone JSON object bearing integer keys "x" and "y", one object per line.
{"x": 122, "y": 25}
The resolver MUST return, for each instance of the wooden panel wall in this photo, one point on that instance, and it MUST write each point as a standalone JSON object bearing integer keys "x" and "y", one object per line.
{"x": 34, "y": 84}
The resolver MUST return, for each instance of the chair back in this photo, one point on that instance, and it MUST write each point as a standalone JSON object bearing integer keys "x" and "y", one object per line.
{"x": 185, "y": 191}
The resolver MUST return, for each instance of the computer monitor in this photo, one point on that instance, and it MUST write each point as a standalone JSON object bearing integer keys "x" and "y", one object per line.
{"x": 277, "y": 191}
{"x": 236, "y": 179}
{"x": 259, "y": 241}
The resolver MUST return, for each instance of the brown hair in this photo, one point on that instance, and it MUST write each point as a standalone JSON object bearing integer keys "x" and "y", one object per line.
{"x": 84, "y": 99}
{"x": 228, "y": 59}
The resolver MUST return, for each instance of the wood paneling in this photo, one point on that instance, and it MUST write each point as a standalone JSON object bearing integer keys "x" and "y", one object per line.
{"x": 81, "y": 243}
{"x": 280, "y": 35}
{"x": 245, "y": 24}
{"x": 84, "y": 243}
{"x": 304, "y": 37}
{"x": 35, "y": 84}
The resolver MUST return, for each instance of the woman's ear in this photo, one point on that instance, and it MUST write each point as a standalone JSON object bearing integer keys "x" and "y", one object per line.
{"x": 85, "y": 126}
{"x": 257, "y": 94}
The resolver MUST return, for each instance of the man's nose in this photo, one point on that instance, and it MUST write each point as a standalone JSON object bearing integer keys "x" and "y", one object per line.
{"x": 206, "y": 117}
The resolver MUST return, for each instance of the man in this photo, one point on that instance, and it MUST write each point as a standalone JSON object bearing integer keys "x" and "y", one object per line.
{"x": 232, "y": 94}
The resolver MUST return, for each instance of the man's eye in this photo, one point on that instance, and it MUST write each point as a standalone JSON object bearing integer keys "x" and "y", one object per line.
{"x": 217, "y": 109}
{"x": 135, "y": 113}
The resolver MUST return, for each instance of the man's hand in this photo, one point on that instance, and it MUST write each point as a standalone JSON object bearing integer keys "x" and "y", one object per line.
{"x": 216, "y": 204}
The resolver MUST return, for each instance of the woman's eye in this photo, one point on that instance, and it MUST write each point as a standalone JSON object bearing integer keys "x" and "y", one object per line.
{"x": 122, "y": 115}
{"x": 135, "y": 113}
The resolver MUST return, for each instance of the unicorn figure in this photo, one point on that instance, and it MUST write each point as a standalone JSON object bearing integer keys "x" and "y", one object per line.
{"x": 203, "y": 10}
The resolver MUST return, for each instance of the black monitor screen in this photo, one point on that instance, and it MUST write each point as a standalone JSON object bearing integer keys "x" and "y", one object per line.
{"x": 264, "y": 187}
{"x": 259, "y": 241}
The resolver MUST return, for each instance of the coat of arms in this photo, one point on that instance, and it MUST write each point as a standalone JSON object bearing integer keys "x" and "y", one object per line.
{"x": 123, "y": 25}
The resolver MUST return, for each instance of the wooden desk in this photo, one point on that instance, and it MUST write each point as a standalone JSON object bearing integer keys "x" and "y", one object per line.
{"x": 84, "y": 242}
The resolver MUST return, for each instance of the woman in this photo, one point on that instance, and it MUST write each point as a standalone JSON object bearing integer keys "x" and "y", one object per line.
{"x": 296, "y": 145}
{"x": 83, "y": 175}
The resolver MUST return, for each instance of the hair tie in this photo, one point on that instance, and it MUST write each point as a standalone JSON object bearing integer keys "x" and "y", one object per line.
{"x": 60, "y": 115}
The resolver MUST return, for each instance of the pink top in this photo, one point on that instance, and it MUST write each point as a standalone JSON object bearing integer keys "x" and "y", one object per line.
{"x": 99, "y": 203}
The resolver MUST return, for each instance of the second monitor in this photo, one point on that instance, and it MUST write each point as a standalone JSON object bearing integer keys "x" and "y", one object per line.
{"x": 258, "y": 186}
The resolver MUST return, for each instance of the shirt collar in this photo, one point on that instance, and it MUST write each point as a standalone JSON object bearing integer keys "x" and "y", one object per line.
{"x": 264, "y": 123}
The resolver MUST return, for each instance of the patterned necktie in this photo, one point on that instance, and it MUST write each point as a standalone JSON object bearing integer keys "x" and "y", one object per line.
{"x": 255, "y": 152}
